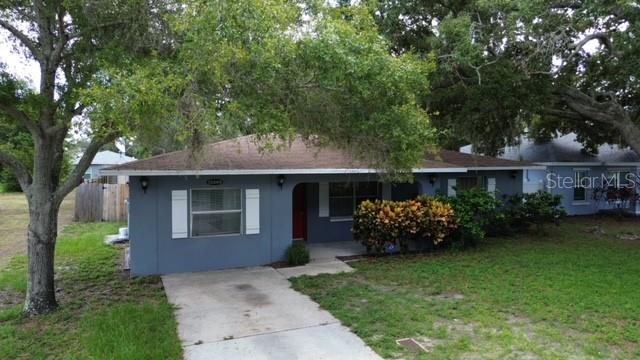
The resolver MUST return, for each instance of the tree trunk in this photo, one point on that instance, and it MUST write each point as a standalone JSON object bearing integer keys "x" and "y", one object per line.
{"x": 42, "y": 234}
{"x": 43, "y": 224}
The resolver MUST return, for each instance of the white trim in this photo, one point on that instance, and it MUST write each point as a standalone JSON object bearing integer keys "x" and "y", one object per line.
{"x": 451, "y": 187}
{"x": 592, "y": 163}
{"x": 491, "y": 187}
{"x": 340, "y": 218}
{"x": 252, "y": 211}
{"x": 179, "y": 214}
{"x": 323, "y": 199}
{"x": 279, "y": 171}
{"x": 490, "y": 168}
{"x": 580, "y": 203}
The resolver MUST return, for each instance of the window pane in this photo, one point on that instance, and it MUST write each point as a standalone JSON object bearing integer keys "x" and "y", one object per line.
{"x": 467, "y": 183}
{"x": 215, "y": 200}
{"x": 625, "y": 178}
{"x": 341, "y": 189}
{"x": 579, "y": 190}
{"x": 367, "y": 189}
{"x": 216, "y": 224}
{"x": 341, "y": 206}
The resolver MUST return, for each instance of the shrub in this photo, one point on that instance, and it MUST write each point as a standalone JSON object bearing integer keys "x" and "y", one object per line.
{"x": 379, "y": 225}
{"x": 297, "y": 254}
{"x": 476, "y": 212}
{"x": 537, "y": 209}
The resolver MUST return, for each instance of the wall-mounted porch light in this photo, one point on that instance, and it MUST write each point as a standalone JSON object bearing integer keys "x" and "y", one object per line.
{"x": 281, "y": 180}
{"x": 432, "y": 179}
{"x": 144, "y": 183}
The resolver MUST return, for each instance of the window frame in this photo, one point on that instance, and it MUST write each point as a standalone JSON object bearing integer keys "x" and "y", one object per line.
{"x": 481, "y": 182}
{"x": 618, "y": 172}
{"x": 584, "y": 201}
{"x": 191, "y": 212}
{"x": 354, "y": 198}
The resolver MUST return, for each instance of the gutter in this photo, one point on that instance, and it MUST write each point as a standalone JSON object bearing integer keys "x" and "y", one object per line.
{"x": 114, "y": 172}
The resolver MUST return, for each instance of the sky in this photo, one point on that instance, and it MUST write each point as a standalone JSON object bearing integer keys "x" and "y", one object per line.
{"x": 16, "y": 62}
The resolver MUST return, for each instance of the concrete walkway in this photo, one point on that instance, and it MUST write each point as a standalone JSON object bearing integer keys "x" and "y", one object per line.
{"x": 254, "y": 314}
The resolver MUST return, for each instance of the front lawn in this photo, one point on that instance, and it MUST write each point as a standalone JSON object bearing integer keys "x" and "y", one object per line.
{"x": 103, "y": 314}
{"x": 14, "y": 218}
{"x": 573, "y": 293}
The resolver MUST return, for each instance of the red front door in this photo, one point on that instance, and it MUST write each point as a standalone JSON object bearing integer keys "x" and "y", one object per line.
{"x": 299, "y": 212}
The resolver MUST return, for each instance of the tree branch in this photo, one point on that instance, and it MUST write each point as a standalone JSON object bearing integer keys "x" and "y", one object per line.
{"x": 18, "y": 169}
{"x": 582, "y": 107}
{"x": 85, "y": 161}
{"x": 564, "y": 114}
{"x": 568, "y": 4}
{"x": 21, "y": 116}
{"x": 24, "y": 39}
{"x": 56, "y": 55}
{"x": 608, "y": 112}
{"x": 602, "y": 37}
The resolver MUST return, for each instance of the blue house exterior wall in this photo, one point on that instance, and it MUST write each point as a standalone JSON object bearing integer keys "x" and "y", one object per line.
{"x": 507, "y": 182}
{"x": 591, "y": 206}
{"x": 153, "y": 251}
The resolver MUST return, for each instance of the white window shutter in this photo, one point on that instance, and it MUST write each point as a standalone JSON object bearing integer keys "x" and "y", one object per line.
{"x": 323, "y": 199}
{"x": 179, "y": 214}
{"x": 491, "y": 186}
{"x": 451, "y": 185}
{"x": 252, "y": 211}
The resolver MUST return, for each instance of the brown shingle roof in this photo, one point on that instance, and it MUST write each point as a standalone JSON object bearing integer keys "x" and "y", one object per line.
{"x": 244, "y": 153}
{"x": 473, "y": 160}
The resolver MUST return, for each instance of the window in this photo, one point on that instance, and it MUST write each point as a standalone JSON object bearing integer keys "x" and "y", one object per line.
{"x": 579, "y": 189}
{"x": 216, "y": 212}
{"x": 617, "y": 179}
{"x": 469, "y": 182}
{"x": 344, "y": 198}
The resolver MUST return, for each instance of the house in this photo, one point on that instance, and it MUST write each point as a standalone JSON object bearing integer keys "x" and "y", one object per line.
{"x": 588, "y": 183}
{"x": 105, "y": 159}
{"x": 240, "y": 206}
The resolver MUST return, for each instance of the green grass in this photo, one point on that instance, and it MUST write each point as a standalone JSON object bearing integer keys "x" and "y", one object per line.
{"x": 567, "y": 294}
{"x": 103, "y": 314}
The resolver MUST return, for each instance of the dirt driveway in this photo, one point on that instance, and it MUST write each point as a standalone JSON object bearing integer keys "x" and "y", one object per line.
{"x": 14, "y": 218}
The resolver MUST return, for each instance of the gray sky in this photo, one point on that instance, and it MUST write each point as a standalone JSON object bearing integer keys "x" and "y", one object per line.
{"x": 16, "y": 62}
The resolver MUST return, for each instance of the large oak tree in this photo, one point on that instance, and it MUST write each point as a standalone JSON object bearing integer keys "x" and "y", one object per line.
{"x": 510, "y": 66}
{"x": 198, "y": 69}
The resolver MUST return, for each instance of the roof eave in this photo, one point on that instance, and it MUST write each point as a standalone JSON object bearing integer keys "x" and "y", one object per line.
{"x": 519, "y": 167}
{"x": 114, "y": 172}
{"x": 589, "y": 163}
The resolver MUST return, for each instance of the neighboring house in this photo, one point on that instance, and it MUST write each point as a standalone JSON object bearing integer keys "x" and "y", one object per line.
{"x": 243, "y": 207}
{"x": 105, "y": 159}
{"x": 588, "y": 183}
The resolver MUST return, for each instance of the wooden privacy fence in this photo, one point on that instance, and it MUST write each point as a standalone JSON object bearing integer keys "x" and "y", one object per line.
{"x": 101, "y": 202}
